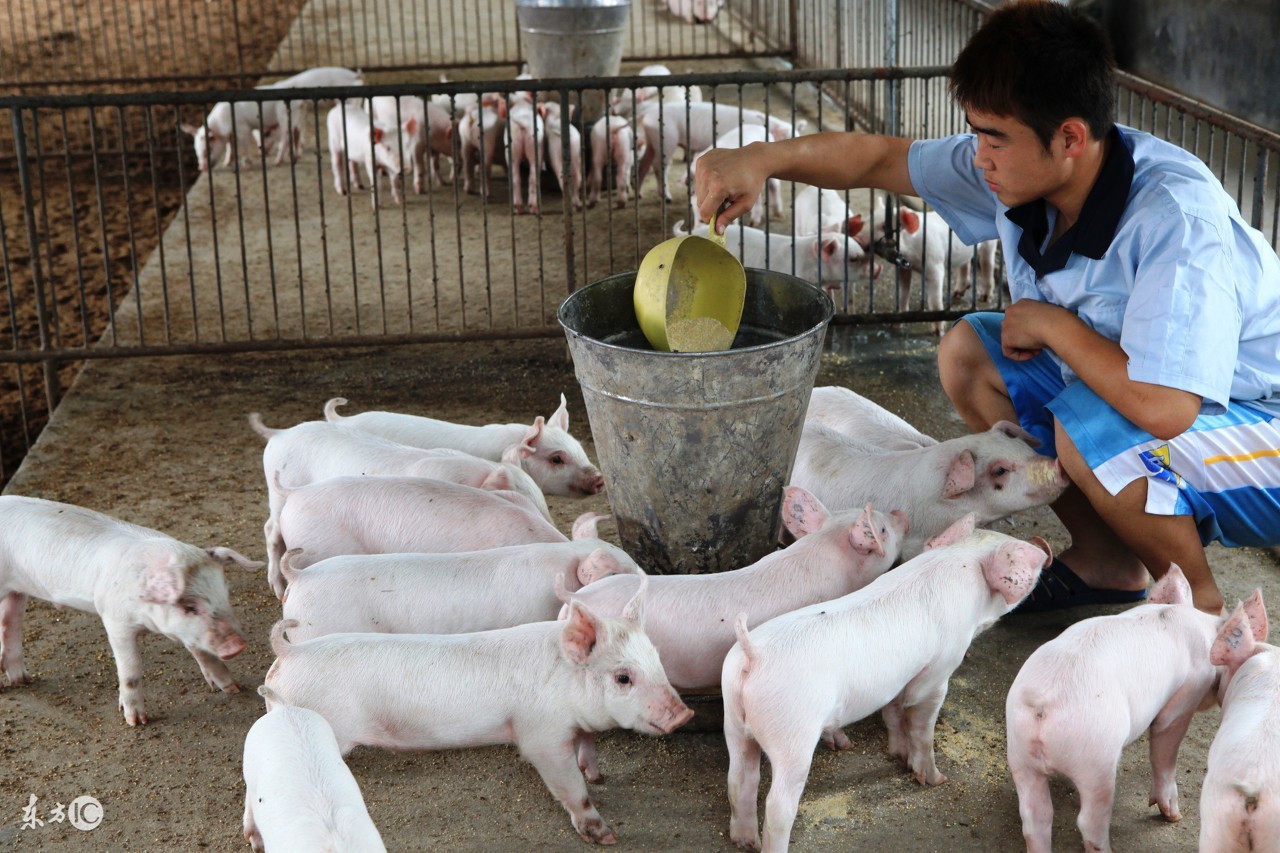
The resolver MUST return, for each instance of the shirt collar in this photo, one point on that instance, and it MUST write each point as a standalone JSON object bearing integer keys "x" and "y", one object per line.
{"x": 1093, "y": 232}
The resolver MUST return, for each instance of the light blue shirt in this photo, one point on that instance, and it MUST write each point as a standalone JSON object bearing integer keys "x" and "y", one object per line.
{"x": 1187, "y": 288}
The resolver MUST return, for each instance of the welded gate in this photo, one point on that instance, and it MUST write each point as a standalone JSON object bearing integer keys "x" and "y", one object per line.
{"x": 113, "y": 244}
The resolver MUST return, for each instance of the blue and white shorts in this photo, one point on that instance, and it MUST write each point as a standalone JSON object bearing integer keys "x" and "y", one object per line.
{"x": 1224, "y": 470}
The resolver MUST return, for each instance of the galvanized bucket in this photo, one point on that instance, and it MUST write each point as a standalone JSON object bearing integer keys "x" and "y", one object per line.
{"x": 696, "y": 448}
{"x": 573, "y": 38}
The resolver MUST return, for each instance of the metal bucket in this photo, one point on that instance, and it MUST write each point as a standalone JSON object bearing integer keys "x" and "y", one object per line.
{"x": 573, "y": 38}
{"x": 697, "y": 447}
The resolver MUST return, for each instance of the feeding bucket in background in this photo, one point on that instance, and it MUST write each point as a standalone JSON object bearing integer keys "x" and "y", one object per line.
{"x": 696, "y": 448}
{"x": 574, "y": 38}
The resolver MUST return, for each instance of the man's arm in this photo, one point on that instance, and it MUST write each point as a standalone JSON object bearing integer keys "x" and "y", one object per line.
{"x": 1030, "y": 326}
{"x": 830, "y": 160}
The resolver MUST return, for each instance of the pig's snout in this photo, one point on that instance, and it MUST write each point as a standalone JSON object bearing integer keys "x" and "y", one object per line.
{"x": 227, "y": 642}
{"x": 592, "y": 482}
{"x": 672, "y": 715}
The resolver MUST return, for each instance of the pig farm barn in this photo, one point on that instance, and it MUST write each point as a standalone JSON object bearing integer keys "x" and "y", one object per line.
{"x": 152, "y": 306}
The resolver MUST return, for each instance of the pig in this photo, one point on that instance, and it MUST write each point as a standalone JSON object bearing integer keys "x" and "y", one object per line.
{"x": 695, "y": 11}
{"x": 296, "y": 111}
{"x": 1080, "y": 698}
{"x": 824, "y": 259}
{"x": 668, "y": 127}
{"x": 538, "y": 686}
{"x": 890, "y": 646}
{"x": 832, "y": 555}
{"x": 409, "y": 113}
{"x": 525, "y": 138}
{"x": 299, "y": 793}
{"x": 480, "y": 131}
{"x": 937, "y": 254}
{"x": 550, "y": 113}
{"x": 851, "y": 414}
{"x": 318, "y": 450}
{"x": 454, "y": 103}
{"x": 135, "y": 578}
{"x": 356, "y": 140}
{"x": 1239, "y": 810}
{"x": 739, "y": 137}
{"x": 444, "y": 593}
{"x": 546, "y": 450}
{"x": 401, "y": 515}
{"x": 624, "y": 102}
{"x": 612, "y": 145}
{"x": 992, "y": 474}
{"x": 816, "y": 211}
{"x": 228, "y": 130}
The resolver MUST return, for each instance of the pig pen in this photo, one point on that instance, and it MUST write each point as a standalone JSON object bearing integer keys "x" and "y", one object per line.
{"x": 164, "y": 442}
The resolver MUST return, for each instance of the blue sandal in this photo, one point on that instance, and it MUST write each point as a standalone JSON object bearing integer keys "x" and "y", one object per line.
{"x": 1059, "y": 588}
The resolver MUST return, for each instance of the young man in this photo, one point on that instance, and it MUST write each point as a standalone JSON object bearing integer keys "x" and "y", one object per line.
{"x": 1142, "y": 345}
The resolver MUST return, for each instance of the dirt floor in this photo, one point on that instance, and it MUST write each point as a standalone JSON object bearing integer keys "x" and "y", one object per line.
{"x": 164, "y": 443}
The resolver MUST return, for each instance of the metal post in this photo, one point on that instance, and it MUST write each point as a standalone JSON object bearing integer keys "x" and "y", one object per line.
{"x": 52, "y": 388}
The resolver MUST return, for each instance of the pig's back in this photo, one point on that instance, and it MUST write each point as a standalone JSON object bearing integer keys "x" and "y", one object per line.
{"x": 487, "y": 441}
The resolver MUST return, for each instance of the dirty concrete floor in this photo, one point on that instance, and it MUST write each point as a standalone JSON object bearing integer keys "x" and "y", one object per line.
{"x": 163, "y": 442}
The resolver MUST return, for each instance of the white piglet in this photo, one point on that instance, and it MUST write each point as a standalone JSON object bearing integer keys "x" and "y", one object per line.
{"x": 355, "y": 140}
{"x": 1080, "y": 698}
{"x": 290, "y": 133}
{"x": 480, "y": 133}
{"x": 409, "y": 113}
{"x": 135, "y": 578}
{"x": 555, "y": 136}
{"x": 993, "y": 474}
{"x": 891, "y": 646}
{"x": 553, "y": 457}
{"x": 612, "y": 148}
{"x": 228, "y": 130}
{"x": 849, "y": 413}
{"x": 444, "y": 593}
{"x": 401, "y": 515}
{"x": 539, "y": 686}
{"x": 1240, "y": 798}
{"x": 299, "y": 793}
{"x": 525, "y": 141}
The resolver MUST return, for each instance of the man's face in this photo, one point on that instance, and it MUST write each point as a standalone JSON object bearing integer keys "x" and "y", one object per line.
{"x": 1014, "y": 163}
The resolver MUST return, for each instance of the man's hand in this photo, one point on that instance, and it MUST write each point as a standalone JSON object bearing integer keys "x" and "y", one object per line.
{"x": 735, "y": 175}
{"x": 1027, "y": 326}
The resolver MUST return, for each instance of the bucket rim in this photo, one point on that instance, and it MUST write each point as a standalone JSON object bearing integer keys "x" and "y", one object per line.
{"x": 829, "y": 311}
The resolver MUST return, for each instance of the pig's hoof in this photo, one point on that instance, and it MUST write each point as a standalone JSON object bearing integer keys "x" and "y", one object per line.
{"x": 595, "y": 830}
{"x": 752, "y": 845}
{"x": 931, "y": 778}
{"x": 19, "y": 677}
{"x": 233, "y": 687}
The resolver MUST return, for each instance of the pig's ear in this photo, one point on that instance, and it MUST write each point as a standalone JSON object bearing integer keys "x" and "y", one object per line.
{"x": 828, "y": 246}
{"x": 910, "y": 219}
{"x": 586, "y": 526}
{"x": 957, "y": 532}
{"x": 863, "y": 535}
{"x": 163, "y": 580}
{"x": 499, "y": 479}
{"x": 411, "y": 126}
{"x": 561, "y": 416}
{"x": 854, "y": 225}
{"x": 1013, "y": 568}
{"x": 1043, "y": 546}
{"x": 512, "y": 455}
{"x": 1257, "y": 613}
{"x": 582, "y": 631}
{"x": 377, "y": 134}
{"x": 961, "y": 476}
{"x": 1172, "y": 588}
{"x": 1013, "y": 430}
{"x": 596, "y": 565}
{"x": 1235, "y": 643}
{"x": 227, "y": 555}
{"x": 635, "y": 607}
{"x": 802, "y": 512}
{"x": 189, "y": 130}
{"x": 529, "y": 445}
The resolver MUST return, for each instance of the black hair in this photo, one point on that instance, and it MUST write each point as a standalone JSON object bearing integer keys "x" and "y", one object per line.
{"x": 1041, "y": 63}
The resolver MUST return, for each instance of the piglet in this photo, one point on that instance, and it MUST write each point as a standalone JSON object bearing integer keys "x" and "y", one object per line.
{"x": 1240, "y": 800}
{"x": 546, "y": 450}
{"x": 1082, "y": 697}
{"x": 556, "y": 132}
{"x": 409, "y": 113}
{"x": 819, "y": 210}
{"x": 319, "y": 450}
{"x": 849, "y": 413}
{"x": 891, "y": 645}
{"x": 135, "y": 578}
{"x": 612, "y": 143}
{"x": 538, "y": 686}
{"x": 401, "y": 515}
{"x": 444, "y": 593}
{"x": 524, "y": 143}
{"x": 356, "y": 140}
{"x": 299, "y": 793}
{"x": 480, "y": 132}
{"x": 992, "y": 474}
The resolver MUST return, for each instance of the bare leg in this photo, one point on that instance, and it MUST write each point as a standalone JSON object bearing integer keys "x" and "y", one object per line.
{"x": 124, "y": 645}
{"x": 216, "y": 674}
{"x": 12, "y": 607}
{"x": 1098, "y": 553}
{"x": 558, "y": 768}
{"x": 1155, "y": 540}
{"x": 1164, "y": 743}
{"x": 744, "y": 786}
